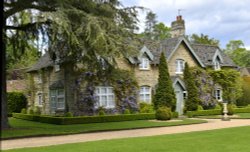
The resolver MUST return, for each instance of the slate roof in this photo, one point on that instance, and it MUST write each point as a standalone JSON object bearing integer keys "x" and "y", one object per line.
{"x": 203, "y": 52}
{"x": 43, "y": 62}
{"x": 206, "y": 54}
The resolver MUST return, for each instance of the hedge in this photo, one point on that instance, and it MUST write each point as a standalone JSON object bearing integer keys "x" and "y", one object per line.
{"x": 86, "y": 119}
{"x": 83, "y": 119}
{"x": 15, "y": 102}
{"x": 215, "y": 112}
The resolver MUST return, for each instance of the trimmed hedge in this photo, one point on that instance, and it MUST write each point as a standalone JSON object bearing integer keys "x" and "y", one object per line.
{"x": 215, "y": 112}
{"x": 242, "y": 110}
{"x": 87, "y": 119}
{"x": 83, "y": 119}
{"x": 203, "y": 113}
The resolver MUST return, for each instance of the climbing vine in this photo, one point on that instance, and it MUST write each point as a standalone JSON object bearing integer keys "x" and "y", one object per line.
{"x": 205, "y": 85}
{"x": 230, "y": 82}
{"x": 123, "y": 83}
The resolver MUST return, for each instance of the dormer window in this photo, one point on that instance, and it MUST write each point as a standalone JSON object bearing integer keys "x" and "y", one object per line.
{"x": 144, "y": 65}
{"x": 217, "y": 65}
{"x": 180, "y": 64}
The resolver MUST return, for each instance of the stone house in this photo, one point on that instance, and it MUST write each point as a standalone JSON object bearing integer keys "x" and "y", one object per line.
{"x": 51, "y": 83}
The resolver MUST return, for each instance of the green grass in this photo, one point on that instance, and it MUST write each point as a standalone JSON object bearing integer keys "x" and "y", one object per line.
{"x": 236, "y": 116}
{"x": 24, "y": 128}
{"x": 222, "y": 140}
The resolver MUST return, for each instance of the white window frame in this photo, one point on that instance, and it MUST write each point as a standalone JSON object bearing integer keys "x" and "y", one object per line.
{"x": 39, "y": 99}
{"x": 107, "y": 93}
{"x": 39, "y": 78}
{"x": 179, "y": 66}
{"x": 217, "y": 65}
{"x": 218, "y": 94}
{"x": 144, "y": 65}
{"x": 145, "y": 94}
{"x": 56, "y": 104}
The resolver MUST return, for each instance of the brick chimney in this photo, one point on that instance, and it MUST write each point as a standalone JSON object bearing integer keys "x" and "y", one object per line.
{"x": 178, "y": 27}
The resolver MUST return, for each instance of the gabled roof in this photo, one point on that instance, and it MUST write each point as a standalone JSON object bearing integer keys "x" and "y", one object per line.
{"x": 146, "y": 51}
{"x": 207, "y": 52}
{"x": 43, "y": 62}
{"x": 217, "y": 54}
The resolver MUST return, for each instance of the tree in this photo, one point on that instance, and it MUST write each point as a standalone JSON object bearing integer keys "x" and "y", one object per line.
{"x": 161, "y": 31}
{"x": 87, "y": 31}
{"x": 164, "y": 95}
{"x": 238, "y": 53}
{"x": 150, "y": 23}
{"x": 203, "y": 39}
{"x": 192, "y": 101}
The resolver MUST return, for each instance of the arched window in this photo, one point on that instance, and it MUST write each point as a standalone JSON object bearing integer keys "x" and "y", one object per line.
{"x": 145, "y": 94}
{"x": 179, "y": 64}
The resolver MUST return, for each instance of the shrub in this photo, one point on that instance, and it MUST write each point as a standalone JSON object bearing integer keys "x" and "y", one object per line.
{"x": 244, "y": 100}
{"x": 163, "y": 113}
{"x": 16, "y": 101}
{"x": 146, "y": 108}
{"x": 68, "y": 114}
{"x": 126, "y": 111}
{"x": 101, "y": 113}
{"x": 24, "y": 111}
{"x": 217, "y": 106}
{"x": 199, "y": 108}
{"x": 30, "y": 111}
{"x": 230, "y": 109}
{"x": 37, "y": 110}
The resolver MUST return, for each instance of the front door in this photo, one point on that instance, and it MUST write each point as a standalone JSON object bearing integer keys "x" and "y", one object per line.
{"x": 179, "y": 98}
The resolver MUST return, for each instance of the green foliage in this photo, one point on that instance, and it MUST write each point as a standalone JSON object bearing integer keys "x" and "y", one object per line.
{"x": 68, "y": 114}
{"x": 193, "y": 100}
{"x": 242, "y": 110}
{"x": 24, "y": 111}
{"x": 217, "y": 106}
{"x": 164, "y": 95}
{"x": 37, "y": 110}
{"x": 199, "y": 108}
{"x": 83, "y": 119}
{"x": 16, "y": 101}
{"x": 203, "y": 113}
{"x": 238, "y": 53}
{"x": 231, "y": 83}
{"x": 126, "y": 111}
{"x": 244, "y": 100}
{"x": 163, "y": 113}
{"x": 30, "y": 111}
{"x": 146, "y": 108}
{"x": 203, "y": 39}
{"x": 161, "y": 31}
{"x": 230, "y": 109}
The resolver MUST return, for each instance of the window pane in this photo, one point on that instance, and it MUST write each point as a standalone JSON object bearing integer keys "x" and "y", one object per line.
{"x": 103, "y": 90}
{"x": 110, "y": 90}
{"x": 60, "y": 103}
{"x": 53, "y": 92}
{"x": 60, "y": 92}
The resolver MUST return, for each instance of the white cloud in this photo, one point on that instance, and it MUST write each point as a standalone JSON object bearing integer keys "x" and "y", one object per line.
{"x": 221, "y": 19}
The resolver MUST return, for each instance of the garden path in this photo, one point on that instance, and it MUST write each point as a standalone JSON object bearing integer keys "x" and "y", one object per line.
{"x": 55, "y": 140}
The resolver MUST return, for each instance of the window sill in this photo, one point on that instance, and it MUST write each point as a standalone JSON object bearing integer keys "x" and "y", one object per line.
{"x": 144, "y": 69}
{"x": 178, "y": 72}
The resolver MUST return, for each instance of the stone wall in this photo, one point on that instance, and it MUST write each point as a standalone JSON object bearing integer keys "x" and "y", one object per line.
{"x": 181, "y": 53}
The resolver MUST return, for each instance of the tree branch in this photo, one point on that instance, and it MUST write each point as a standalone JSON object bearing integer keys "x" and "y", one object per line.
{"x": 24, "y": 27}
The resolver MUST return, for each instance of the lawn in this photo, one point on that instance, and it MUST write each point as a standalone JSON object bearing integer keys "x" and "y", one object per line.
{"x": 222, "y": 140}
{"x": 24, "y": 128}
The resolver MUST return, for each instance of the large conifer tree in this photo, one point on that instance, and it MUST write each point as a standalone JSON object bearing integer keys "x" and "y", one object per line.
{"x": 164, "y": 95}
{"x": 192, "y": 100}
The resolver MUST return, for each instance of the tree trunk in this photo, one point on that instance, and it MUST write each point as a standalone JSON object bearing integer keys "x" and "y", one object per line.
{"x": 4, "y": 116}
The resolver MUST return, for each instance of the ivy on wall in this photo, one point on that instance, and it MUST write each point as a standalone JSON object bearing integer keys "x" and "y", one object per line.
{"x": 231, "y": 83}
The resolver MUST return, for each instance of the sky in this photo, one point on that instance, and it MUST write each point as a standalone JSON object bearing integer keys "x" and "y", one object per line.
{"x": 223, "y": 20}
